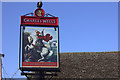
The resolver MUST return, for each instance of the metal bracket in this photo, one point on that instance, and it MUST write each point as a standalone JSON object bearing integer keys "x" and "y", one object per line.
{"x": 28, "y": 14}
{"x": 25, "y": 75}
{"x": 49, "y": 15}
{"x": 2, "y": 55}
{"x": 41, "y": 74}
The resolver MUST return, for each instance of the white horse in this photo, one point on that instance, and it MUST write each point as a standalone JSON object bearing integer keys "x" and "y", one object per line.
{"x": 45, "y": 53}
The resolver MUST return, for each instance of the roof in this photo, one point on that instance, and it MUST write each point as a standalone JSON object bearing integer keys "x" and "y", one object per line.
{"x": 89, "y": 65}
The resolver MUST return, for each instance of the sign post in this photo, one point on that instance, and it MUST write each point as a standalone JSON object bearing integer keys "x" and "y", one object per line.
{"x": 39, "y": 42}
{"x": 1, "y": 55}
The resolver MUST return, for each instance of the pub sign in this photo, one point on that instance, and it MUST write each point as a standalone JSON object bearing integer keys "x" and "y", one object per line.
{"x": 39, "y": 42}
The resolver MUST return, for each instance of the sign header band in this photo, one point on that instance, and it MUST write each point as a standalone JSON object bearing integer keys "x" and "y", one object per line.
{"x": 36, "y": 21}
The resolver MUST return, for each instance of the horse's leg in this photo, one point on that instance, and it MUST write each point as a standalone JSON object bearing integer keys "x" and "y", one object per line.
{"x": 41, "y": 58}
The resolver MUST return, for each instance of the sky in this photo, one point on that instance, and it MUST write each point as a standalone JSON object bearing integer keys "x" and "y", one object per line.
{"x": 84, "y": 27}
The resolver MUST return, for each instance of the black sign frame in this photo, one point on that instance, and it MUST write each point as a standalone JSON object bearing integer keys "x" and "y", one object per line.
{"x": 37, "y": 69}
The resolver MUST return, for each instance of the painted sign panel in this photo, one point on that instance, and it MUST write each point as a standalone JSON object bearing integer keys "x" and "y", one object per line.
{"x": 40, "y": 47}
{"x": 36, "y": 21}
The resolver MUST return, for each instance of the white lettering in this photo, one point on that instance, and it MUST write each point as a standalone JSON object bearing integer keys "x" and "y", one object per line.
{"x": 24, "y": 20}
{"x": 40, "y": 21}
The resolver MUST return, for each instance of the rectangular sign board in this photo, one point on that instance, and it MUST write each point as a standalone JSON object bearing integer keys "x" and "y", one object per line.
{"x": 40, "y": 47}
{"x": 36, "y": 21}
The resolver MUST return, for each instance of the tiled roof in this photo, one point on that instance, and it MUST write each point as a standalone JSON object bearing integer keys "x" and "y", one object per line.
{"x": 89, "y": 65}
